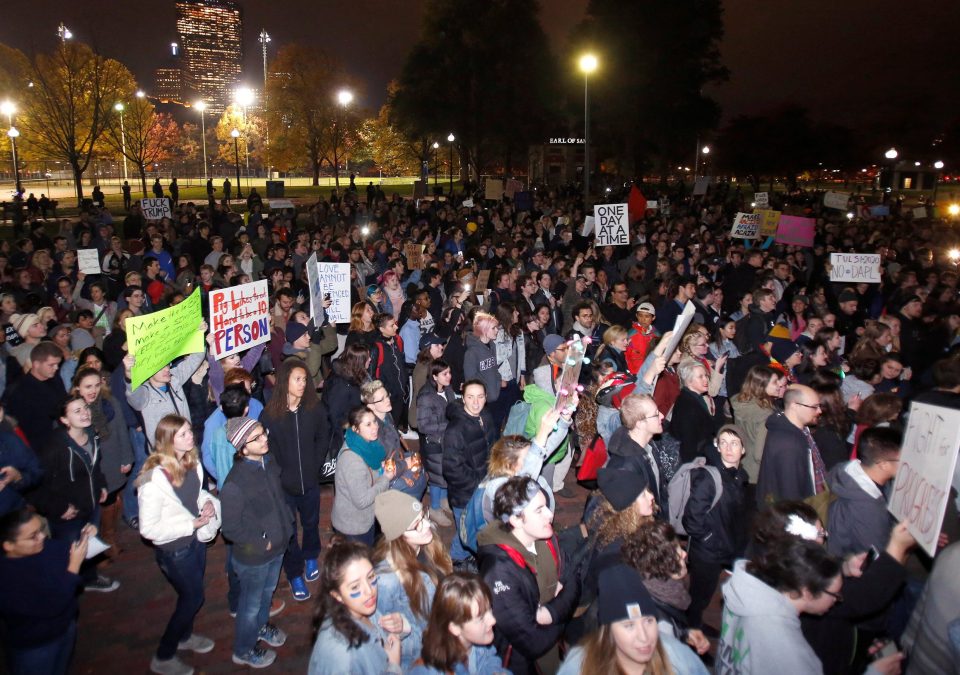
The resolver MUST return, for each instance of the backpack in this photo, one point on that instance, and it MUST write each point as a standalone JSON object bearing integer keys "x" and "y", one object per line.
{"x": 740, "y": 338}
{"x": 517, "y": 419}
{"x": 594, "y": 457}
{"x": 678, "y": 490}
{"x": 471, "y": 520}
{"x": 821, "y": 504}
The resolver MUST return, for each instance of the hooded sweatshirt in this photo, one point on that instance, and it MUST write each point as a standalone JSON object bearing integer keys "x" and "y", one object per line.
{"x": 858, "y": 518}
{"x": 761, "y": 633}
{"x": 480, "y": 363}
{"x": 541, "y": 402}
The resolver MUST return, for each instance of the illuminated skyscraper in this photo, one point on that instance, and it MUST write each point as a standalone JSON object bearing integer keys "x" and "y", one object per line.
{"x": 211, "y": 44}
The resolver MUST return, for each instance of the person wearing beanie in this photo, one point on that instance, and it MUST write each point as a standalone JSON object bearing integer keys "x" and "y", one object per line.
{"x": 787, "y": 354}
{"x": 31, "y": 330}
{"x": 298, "y": 340}
{"x": 410, "y": 560}
{"x": 258, "y": 524}
{"x": 628, "y": 638}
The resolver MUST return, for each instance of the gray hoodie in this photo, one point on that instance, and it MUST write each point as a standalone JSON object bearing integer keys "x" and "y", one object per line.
{"x": 761, "y": 631}
{"x": 480, "y": 363}
{"x": 858, "y": 518}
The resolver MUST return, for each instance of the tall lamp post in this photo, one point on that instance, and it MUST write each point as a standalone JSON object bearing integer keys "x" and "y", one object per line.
{"x": 436, "y": 162}
{"x": 244, "y": 97}
{"x": 588, "y": 64}
{"x": 450, "y": 139}
{"x": 201, "y": 106}
{"x": 344, "y": 98}
{"x": 705, "y": 150}
{"x": 264, "y": 39}
{"x": 236, "y": 158}
{"x": 8, "y": 108}
{"x": 63, "y": 33}
{"x": 123, "y": 138}
{"x": 938, "y": 165}
{"x": 891, "y": 155}
{"x": 13, "y": 133}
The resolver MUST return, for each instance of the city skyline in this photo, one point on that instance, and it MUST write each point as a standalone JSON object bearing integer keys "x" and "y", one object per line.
{"x": 210, "y": 39}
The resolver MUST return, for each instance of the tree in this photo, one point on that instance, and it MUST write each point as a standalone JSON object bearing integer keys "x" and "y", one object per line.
{"x": 144, "y": 137}
{"x": 656, "y": 57}
{"x": 69, "y": 106}
{"x": 482, "y": 70}
{"x": 387, "y": 146}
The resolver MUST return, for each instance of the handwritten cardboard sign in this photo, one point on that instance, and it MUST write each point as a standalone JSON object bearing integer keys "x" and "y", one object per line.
{"x": 483, "y": 281}
{"x": 612, "y": 222}
{"x": 414, "y": 255}
{"x": 761, "y": 199}
{"x": 746, "y": 226}
{"x": 769, "y": 221}
{"x": 927, "y": 462}
{"x": 154, "y": 208}
{"x": 88, "y": 261}
{"x": 919, "y": 212}
{"x": 239, "y": 317}
{"x": 700, "y": 185}
{"x": 860, "y": 268}
{"x": 157, "y": 339}
{"x": 796, "y": 230}
{"x": 331, "y": 279}
{"x": 836, "y": 200}
{"x": 493, "y": 189}
{"x": 588, "y": 223}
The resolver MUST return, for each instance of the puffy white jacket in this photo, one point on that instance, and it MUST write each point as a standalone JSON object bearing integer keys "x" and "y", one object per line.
{"x": 163, "y": 518}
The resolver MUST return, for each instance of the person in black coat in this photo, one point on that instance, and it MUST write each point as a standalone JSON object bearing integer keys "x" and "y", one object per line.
{"x": 388, "y": 365}
{"x": 718, "y": 532}
{"x": 341, "y": 390}
{"x": 696, "y": 417}
{"x": 467, "y": 440}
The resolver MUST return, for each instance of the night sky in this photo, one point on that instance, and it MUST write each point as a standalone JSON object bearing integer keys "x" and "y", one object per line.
{"x": 852, "y": 62}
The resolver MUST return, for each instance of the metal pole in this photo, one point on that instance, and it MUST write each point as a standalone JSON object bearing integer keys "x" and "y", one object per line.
{"x": 264, "y": 39}
{"x": 16, "y": 167}
{"x": 203, "y": 135}
{"x": 436, "y": 165}
{"x": 586, "y": 137}
{"x": 451, "y": 170}
{"x": 236, "y": 161}
{"x": 696, "y": 160}
{"x": 123, "y": 145}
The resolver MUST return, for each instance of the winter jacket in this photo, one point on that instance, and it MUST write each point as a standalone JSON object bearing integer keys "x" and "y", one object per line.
{"x": 116, "y": 449}
{"x": 357, "y": 487}
{"x": 391, "y": 597}
{"x": 541, "y": 402}
{"x": 340, "y": 395}
{"x": 480, "y": 363}
{"x": 216, "y": 453}
{"x": 164, "y": 518}
{"x": 625, "y": 453}
{"x": 927, "y": 639}
{"x": 692, "y": 424}
{"x": 786, "y": 472}
{"x": 155, "y": 403}
{"x": 298, "y": 441}
{"x": 34, "y": 404}
{"x": 752, "y": 420}
{"x": 481, "y": 660}
{"x": 14, "y": 452}
{"x": 466, "y": 448}
{"x": 758, "y": 326}
{"x": 639, "y": 346}
{"x": 520, "y": 583}
{"x": 255, "y": 511}
{"x": 858, "y": 519}
{"x": 761, "y": 631}
{"x": 333, "y": 655}
{"x": 615, "y": 357}
{"x": 717, "y": 534}
{"x": 388, "y": 364}
{"x": 683, "y": 660}
{"x": 432, "y": 423}
{"x": 511, "y": 356}
{"x": 70, "y": 476}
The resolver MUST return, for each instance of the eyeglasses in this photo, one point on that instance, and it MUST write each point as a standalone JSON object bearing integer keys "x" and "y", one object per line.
{"x": 812, "y": 407}
{"x": 379, "y": 400}
{"x": 264, "y": 436}
{"x": 650, "y": 417}
{"x": 836, "y": 596}
{"x": 422, "y": 523}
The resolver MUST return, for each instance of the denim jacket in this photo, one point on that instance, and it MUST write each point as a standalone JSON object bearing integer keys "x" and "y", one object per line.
{"x": 392, "y": 597}
{"x": 332, "y": 654}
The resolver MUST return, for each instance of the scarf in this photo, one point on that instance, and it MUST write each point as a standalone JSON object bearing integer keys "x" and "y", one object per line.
{"x": 372, "y": 452}
{"x": 670, "y": 592}
{"x": 101, "y": 414}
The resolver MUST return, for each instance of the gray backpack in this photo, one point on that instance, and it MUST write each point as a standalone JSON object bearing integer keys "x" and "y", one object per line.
{"x": 678, "y": 490}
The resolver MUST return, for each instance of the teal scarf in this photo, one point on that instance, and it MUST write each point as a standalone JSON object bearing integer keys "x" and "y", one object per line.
{"x": 372, "y": 452}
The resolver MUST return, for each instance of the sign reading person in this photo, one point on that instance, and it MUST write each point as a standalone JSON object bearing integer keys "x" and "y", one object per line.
{"x": 613, "y": 225}
{"x": 925, "y": 474}
{"x": 746, "y": 226}
{"x": 239, "y": 317}
{"x": 860, "y": 268}
{"x": 157, "y": 339}
{"x": 154, "y": 208}
{"x": 414, "y": 255}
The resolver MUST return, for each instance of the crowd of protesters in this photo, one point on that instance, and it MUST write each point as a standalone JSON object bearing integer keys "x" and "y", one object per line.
{"x": 756, "y": 458}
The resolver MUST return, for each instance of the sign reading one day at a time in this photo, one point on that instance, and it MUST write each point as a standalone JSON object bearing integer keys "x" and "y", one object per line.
{"x": 612, "y": 223}
{"x": 860, "y": 268}
{"x": 154, "y": 208}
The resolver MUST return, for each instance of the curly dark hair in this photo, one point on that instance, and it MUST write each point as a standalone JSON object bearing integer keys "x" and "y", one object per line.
{"x": 792, "y": 564}
{"x": 340, "y": 554}
{"x": 653, "y": 551}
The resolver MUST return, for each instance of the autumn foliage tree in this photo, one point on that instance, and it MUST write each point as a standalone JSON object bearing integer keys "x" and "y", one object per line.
{"x": 145, "y": 136}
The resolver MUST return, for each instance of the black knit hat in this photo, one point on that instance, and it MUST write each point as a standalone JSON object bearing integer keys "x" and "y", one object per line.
{"x": 620, "y": 486}
{"x": 622, "y": 595}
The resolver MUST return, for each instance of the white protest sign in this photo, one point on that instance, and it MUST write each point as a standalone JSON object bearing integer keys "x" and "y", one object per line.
{"x": 155, "y": 208}
{"x": 651, "y": 205}
{"x": 333, "y": 279}
{"x": 239, "y": 317}
{"x": 275, "y": 204}
{"x": 860, "y": 268}
{"x": 836, "y": 200}
{"x": 700, "y": 185}
{"x": 746, "y": 226}
{"x": 587, "y": 226}
{"x": 468, "y": 203}
{"x": 88, "y": 260}
{"x": 613, "y": 224}
{"x": 920, "y": 212}
{"x": 680, "y": 326}
{"x": 761, "y": 199}
{"x": 927, "y": 462}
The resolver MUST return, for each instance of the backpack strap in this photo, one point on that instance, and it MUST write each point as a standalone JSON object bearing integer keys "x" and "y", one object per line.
{"x": 717, "y": 483}
{"x": 516, "y": 557}
{"x": 376, "y": 370}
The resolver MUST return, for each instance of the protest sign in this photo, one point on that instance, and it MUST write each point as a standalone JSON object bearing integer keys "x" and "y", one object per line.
{"x": 612, "y": 223}
{"x": 483, "y": 280}
{"x": 769, "y": 220}
{"x": 700, "y": 185}
{"x": 155, "y": 208}
{"x": 860, "y": 268}
{"x": 316, "y": 295}
{"x": 919, "y": 212}
{"x": 746, "y": 226}
{"x": 927, "y": 462}
{"x": 680, "y": 326}
{"x": 493, "y": 189}
{"x": 157, "y": 339}
{"x": 468, "y": 203}
{"x": 651, "y": 205}
{"x": 588, "y": 223}
{"x": 795, "y": 230}
{"x": 879, "y": 210}
{"x": 512, "y": 187}
{"x": 239, "y": 317}
{"x": 761, "y": 199}
{"x": 88, "y": 261}
{"x": 523, "y": 201}
{"x": 331, "y": 279}
{"x": 836, "y": 200}
{"x": 414, "y": 255}
{"x": 276, "y": 204}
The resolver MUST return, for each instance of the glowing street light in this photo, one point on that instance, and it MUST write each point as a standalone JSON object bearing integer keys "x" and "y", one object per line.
{"x": 450, "y": 139}
{"x": 236, "y": 158}
{"x": 706, "y": 150}
{"x": 344, "y": 97}
{"x": 141, "y": 94}
{"x": 13, "y": 134}
{"x": 588, "y": 65}
{"x": 118, "y": 106}
{"x": 436, "y": 162}
{"x": 201, "y": 106}
{"x": 8, "y": 108}
{"x": 63, "y": 33}
{"x": 938, "y": 165}
{"x": 954, "y": 210}
{"x": 891, "y": 153}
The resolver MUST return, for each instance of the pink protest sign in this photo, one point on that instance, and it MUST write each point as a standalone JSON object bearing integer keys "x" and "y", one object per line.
{"x": 795, "y": 230}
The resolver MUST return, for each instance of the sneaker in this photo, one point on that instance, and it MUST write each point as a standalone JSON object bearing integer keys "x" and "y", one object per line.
{"x": 299, "y": 589}
{"x": 277, "y": 606}
{"x": 258, "y": 657}
{"x": 566, "y": 493}
{"x": 272, "y": 635}
{"x": 312, "y": 570}
{"x": 440, "y": 518}
{"x": 172, "y": 666}
{"x": 102, "y": 584}
{"x": 197, "y": 643}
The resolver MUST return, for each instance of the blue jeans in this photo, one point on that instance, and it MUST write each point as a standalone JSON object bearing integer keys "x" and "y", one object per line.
{"x": 51, "y": 658}
{"x": 131, "y": 509}
{"x": 184, "y": 570}
{"x": 233, "y": 582}
{"x": 457, "y": 551}
{"x": 308, "y": 506}
{"x": 257, "y": 583}
{"x": 437, "y": 495}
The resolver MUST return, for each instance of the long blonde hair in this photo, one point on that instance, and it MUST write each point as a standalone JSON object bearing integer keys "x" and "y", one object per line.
{"x": 600, "y": 655}
{"x": 165, "y": 456}
{"x": 402, "y": 557}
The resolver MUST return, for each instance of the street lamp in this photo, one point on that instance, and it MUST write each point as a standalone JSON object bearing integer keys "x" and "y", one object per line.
{"x": 201, "y": 106}
{"x": 436, "y": 162}
{"x": 264, "y": 39}
{"x": 344, "y": 98}
{"x": 63, "y": 33}
{"x": 588, "y": 64}
{"x": 450, "y": 139}
{"x": 123, "y": 138}
{"x": 8, "y": 108}
{"x": 244, "y": 97}
{"x": 938, "y": 165}
{"x": 13, "y": 133}
{"x": 705, "y": 150}
{"x": 236, "y": 158}
{"x": 891, "y": 154}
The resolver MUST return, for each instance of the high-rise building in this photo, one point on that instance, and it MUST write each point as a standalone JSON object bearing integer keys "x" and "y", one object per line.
{"x": 211, "y": 48}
